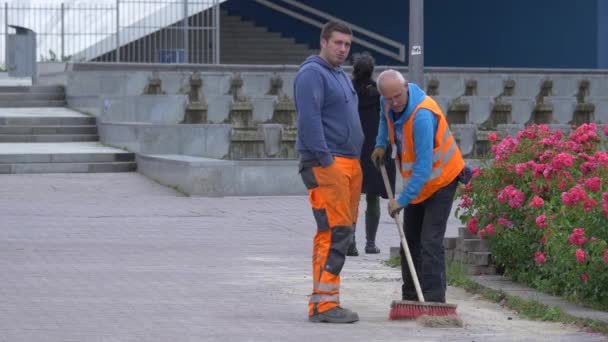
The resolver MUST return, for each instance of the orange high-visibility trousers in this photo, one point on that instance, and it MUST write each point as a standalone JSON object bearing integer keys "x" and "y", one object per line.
{"x": 334, "y": 194}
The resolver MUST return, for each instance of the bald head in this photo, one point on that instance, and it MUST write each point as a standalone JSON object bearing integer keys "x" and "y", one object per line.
{"x": 390, "y": 78}
{"x": 393, "y": 88}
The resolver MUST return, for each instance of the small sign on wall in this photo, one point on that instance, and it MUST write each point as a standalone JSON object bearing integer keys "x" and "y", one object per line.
{"x": 416, "y": 50}
{"x": 171, "y": 56}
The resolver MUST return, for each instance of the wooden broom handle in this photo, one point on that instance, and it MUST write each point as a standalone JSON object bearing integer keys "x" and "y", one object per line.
{"x": 406, "y": 248}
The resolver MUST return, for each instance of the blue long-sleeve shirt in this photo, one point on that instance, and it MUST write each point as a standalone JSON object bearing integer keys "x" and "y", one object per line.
{"x": 425, "y": 129}
{"x": 327, "y": 109}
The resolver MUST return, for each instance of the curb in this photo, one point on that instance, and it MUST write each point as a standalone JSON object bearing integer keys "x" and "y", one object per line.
{"x": 500, "y": 283}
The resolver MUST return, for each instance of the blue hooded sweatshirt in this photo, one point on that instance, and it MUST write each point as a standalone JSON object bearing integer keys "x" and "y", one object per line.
{"x": 425, "y": 129}
{"x": 328, "y": 119}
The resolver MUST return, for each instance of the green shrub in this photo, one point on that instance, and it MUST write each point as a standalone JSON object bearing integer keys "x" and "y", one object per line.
{"x": 542, "y": 202}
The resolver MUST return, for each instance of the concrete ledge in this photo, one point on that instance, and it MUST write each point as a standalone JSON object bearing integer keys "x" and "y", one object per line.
{"x": 213, "y": 178}
{"x": 86, "y": 104}
{"x": 201, "y": 140}
{"x": 281, "y": 67}
{"x": 169, "y": 109}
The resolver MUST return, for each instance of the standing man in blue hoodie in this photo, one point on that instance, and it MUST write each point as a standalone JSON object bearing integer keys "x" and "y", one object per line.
{"x": 430, "y": 163}
{"x": 329, "y": 142}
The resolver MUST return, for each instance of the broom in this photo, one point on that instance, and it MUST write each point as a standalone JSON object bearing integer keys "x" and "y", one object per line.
{"x": 405, "y": 309}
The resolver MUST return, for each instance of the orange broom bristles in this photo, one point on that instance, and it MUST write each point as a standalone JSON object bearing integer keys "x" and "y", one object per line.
{"x": 404, "y": 309}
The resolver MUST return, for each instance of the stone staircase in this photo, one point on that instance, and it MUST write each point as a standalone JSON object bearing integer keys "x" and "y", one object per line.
{"x": 38, "y": 135}
{"x": 471, "y": 250}
{"x": 32, "y": 96}
{"x": 47, "y": 129}
{"x": 468, "y": 249}
{"x": 242, "y": 42}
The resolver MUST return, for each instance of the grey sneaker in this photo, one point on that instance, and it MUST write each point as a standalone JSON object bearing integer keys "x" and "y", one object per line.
{"x": 335, "y": 315}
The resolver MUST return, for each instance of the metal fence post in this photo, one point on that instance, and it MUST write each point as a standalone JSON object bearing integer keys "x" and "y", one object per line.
{"x": 185, "y": 29}
{"x": 217, "y": 31}
{"x": 415, "y": 65}
{"x": 6, "y": 35}
{"x": 62, "y": 32}
{"x": 117, "y": 31}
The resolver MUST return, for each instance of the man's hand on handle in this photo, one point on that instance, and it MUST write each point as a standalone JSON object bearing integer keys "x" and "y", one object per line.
{"x": 393, "y": 207}
{"x": 378, "y": 156}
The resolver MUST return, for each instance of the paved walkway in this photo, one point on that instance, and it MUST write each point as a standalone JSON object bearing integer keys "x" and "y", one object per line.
{"x": 117, "y": 257}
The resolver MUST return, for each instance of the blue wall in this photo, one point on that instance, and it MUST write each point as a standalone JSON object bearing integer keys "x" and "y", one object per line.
{"x": 467, "y": 33}
{"x": 602, "y": 36}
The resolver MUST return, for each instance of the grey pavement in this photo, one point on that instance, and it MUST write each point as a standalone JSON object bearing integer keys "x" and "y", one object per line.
{"x": 117, "y": 257}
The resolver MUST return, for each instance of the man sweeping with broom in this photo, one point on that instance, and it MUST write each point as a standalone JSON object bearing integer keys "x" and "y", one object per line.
{"x": 430, "y": 163}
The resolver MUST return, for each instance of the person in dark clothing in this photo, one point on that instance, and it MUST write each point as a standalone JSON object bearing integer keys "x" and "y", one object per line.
{"x": 369, "y": 114}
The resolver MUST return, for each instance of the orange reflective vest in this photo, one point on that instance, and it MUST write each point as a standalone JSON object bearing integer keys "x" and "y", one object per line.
{"x": 447, "y": 159}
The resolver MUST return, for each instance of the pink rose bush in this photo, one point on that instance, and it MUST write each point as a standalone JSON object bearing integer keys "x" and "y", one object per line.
{"x": 542, "y": 202}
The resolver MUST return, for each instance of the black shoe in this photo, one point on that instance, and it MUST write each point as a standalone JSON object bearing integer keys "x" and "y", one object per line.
{"x": 352, "y": 250}
{"x": 370, "y": 248}
{"x": 335, "y": 315}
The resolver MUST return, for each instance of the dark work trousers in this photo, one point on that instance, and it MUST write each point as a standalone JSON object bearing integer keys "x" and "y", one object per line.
{"x": 424, "y": 224}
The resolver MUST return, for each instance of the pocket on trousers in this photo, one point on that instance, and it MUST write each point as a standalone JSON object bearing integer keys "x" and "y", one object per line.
{"x": 321, "y": 218}
{"x": 308, "y": 177}
{"x": 341, "y": 237}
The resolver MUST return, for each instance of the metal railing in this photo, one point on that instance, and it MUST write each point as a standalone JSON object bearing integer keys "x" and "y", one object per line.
{"x": 138, "y": 31}
{"x": 363, "y": 37}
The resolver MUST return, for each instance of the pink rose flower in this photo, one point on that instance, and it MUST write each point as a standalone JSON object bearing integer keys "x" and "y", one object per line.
{"x": 540, "y": 257}
{"x": 581, "y": 256}
{"x": 577, "y": 237}
{"x": 536, "y": 202}
{"x": 541, "y": 221}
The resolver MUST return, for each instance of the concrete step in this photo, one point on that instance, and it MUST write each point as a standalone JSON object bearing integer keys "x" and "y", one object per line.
{"x": 32, "y": 89}
{"x": 464, "y": 233}
{"x": 40, "y": 129}
{"x": 32, "y": 103}
{"x": 475, "y": 245}
{"x": 47, "y": 138}
{"x": 100, "y": 157}
{"x": 258, "y": 37}
{"x": 13, "y": 96}
{"x": 47, "y": 120}
{"x": 235, "y": 60}
{"x": 266, "y": 44}
{"x": 479, "y": 258}
{"x": 20, "y": 168}
{"x": 261, "y": 46}
{"x": 232, "y": 19}
{"x": 265, "y": 59}
{"x": 247, "y": 31}
{"x": 481, "y": 270}
{"x": 450, "y": 242}
{"x": 266, "y": 51}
